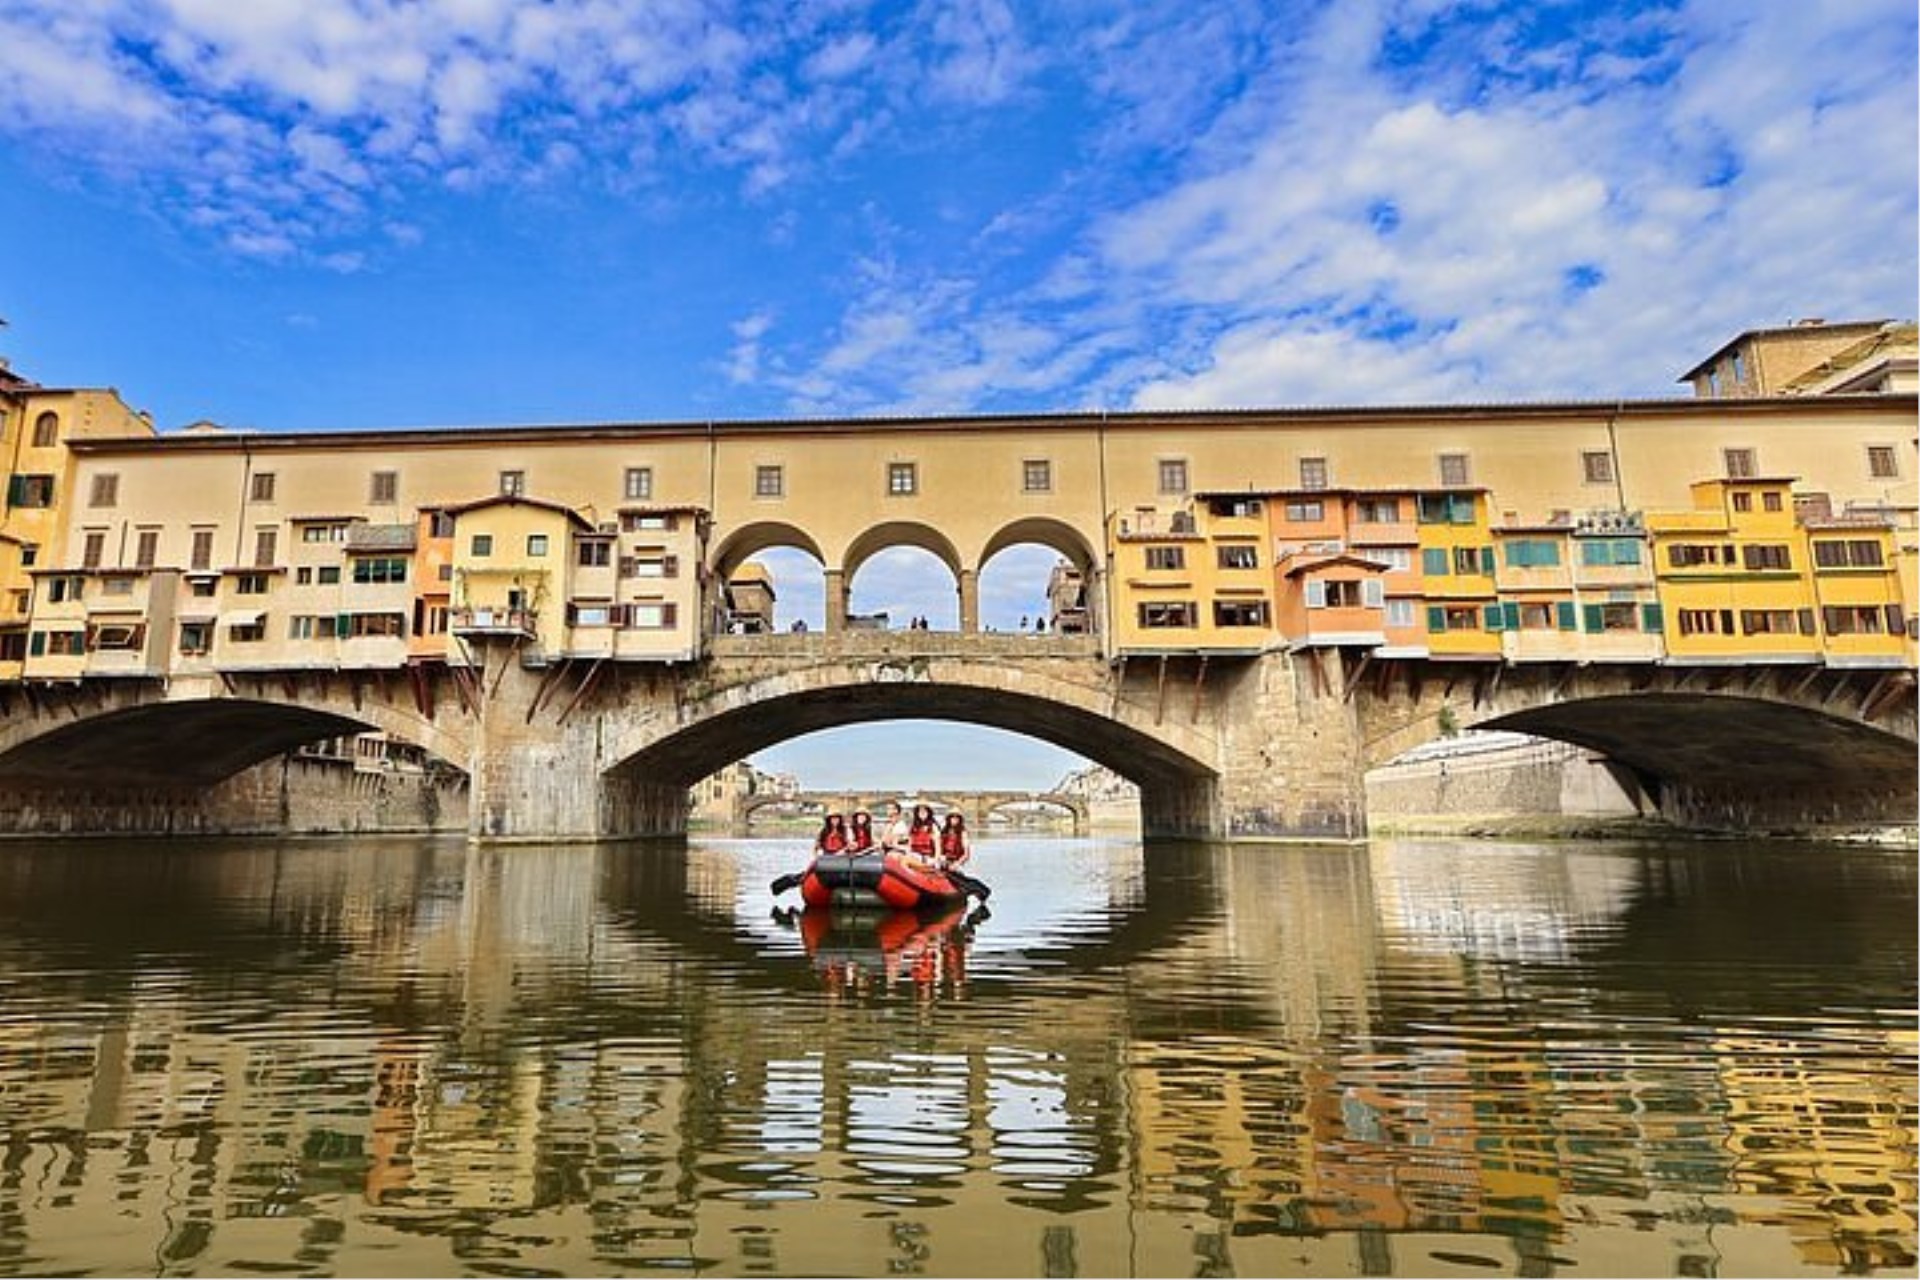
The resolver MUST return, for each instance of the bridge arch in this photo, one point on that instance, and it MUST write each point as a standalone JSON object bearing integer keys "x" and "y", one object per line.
{"x": 1175, "y": 764}
{"x": 874, "y": 539}
{"x": 140, "y": 738}
{"x": 750, "y": 540}
{"x": 1045, "y": 531}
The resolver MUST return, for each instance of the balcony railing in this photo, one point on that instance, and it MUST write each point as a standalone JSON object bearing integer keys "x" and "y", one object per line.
{"x": 493, "y": 622}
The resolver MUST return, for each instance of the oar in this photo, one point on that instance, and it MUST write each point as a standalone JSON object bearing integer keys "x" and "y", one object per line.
{"x": 789, "y": 881}
{"x": 978, "y": 888}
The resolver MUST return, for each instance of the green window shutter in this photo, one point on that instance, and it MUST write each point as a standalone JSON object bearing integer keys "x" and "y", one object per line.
{"x": 1433, "y": 562}
{"x": 343, "y": 625}
{"x": 1594, "y": 618}
{"x": 1436, "y": 618}
{"x": 1495, "y": 618}
{"x": 1516, "y": 555}
{"x": 37, "y": 644}
{"x": 1626, "y": 551}
{"x": 1651, "y": 619}
{"x": 1547, "y": 554}
{"x": 16, "y": 486}
{"x": 1564, "y": 615}
{"x": 1513, "y": 615}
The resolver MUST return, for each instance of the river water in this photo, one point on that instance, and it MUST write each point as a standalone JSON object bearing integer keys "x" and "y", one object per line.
{"x": 1420, "y": 1058}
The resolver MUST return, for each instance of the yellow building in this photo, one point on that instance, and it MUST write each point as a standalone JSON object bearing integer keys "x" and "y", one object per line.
{"x": 1464, "y": 619}
{"x": 35, "y": 425}
{"x": 1856, "y": 588}
{"x": 1735, "y": 575}
{"x": 1192, "y": 578}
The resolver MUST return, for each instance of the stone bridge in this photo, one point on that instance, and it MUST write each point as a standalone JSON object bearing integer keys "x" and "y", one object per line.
{"x": 977, "y": 807}
{"x": 1268, "y": 745}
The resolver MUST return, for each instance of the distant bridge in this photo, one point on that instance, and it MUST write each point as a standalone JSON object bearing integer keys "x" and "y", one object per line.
{"x": 977, "y": 807}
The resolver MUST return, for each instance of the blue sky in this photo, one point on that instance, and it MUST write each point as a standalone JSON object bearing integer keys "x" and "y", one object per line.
{"x": 286, "y": 214}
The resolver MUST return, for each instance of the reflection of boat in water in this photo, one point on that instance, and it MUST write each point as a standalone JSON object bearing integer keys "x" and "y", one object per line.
{"x": 854, "y": 948}
{"x": 875, "y": 881}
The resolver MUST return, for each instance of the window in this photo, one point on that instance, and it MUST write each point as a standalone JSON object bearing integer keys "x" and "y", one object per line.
{"x": 1600, "y": 552}
{"x": 1854, "y": 620}
{"x": 317, "y": 627}
{"x": 1445, "y": 508}
{"x": 1473, "y": 560}
{"x": 1306, "y": 512}
{"x": 1378, "y": 511}
{"x": 92, "y": 550}
{"x": 117, "y": 586}
{"x": 1239, "y": 613}
{"x": 1233, "y": 508}
{"x": 903, "y": 479}
{"x": 1536, "y": 617}
{"x": 650, "y": 566}
{"x": 1162, "y": 558}
{"x": 1036, "y": 476}
{"x": 248, "y": 632}
{"x": 638, "y": 486}
{"x": 1692, "y": 555}
{"x": 1611, "y": 617}
{"x": 146, "y": 548}
{"x": 323, "y": 533}
{"x": 1173, "y": 478}
{"x": 203, "y": 588}
{"x": 1770, "y": 500}
{"x": 1400, "y": 612}
{"x": 650, "y": 615}
{"x": 1453, "y": 617}
{"x": 379, "y": 569}
{"x": 1832, "y": 554}
{"x": 303, "y": 576}
{"x": 30, "y": 491}
{"x": 589, "y": 615}
{"x": 1433, "y": 562}
{"x": 1736, "y": 366}
{"x": 46, "y": 430}
{"x": 1313, "y": 473}
{"x": 536, "y": 544}
{"x": 1743, "y": 502}
{"x": 1161, "y": 614}
{"x": 1396, "y": 559}
{"x": 648, "y": 522}
{"x": 250, "y": 584}
{"x": 265, "y": 543}
{"x": 1741, "y": 464}
{"x": 1764, "y": 557}
{"x": 594, "y": 553}
{"x": 329, "y": 575}
{"x": 117, "y": 637}
{"x": 1772, "y": 622}
{"x": 1453, "y": 469}
{"x": 262, "y": 486}
{"x": 363, "y": 625}
{"x": 1532, "y": 553}
{"x": 60, "y": 644}
{"x": 1596, "y": 466}
{"x": 1337, "y": 595}
{"x": 513, "y": 484}
{"x": 65, "y": 588}
{"x": 1882, "y": 462}
{"x": 105, "y": 491}
{"x": 1706, "y": 622}
{"x": 196, "y": 638}
{"x": 1239, "y": 557}
{"x": 429, "y": 619}
{"x": 769, "y": 482}
{"x": 383, "y": 487}
{"x": 481, "y": 546}
{"x": 29, "y": 554}
{"x": 440, "y": 525}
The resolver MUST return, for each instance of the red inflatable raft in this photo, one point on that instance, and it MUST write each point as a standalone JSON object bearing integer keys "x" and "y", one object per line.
{"x": 876, "y": 880}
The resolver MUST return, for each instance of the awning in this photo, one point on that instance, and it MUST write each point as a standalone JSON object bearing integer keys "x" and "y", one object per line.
{"x": 243, "y": 618}
{"x": 198, "y": 617}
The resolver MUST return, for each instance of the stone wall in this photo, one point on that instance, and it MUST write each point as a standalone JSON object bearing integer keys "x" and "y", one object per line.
{"x": 1501, "y": 780}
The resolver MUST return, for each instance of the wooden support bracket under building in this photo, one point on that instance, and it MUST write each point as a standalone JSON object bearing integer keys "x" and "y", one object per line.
{"x": 579, "y": 694}
{"x": 422, "y": 691}
{"x": 1892, "y": 687}
{"x": 1160, "y": 698}
{"x": 549, "y": 681}
{"x": 1353, "y": 678}
{"x": 1806, "y": 682}
{"x": 1199, "y": 682}
{"x": 1561, "y": 681}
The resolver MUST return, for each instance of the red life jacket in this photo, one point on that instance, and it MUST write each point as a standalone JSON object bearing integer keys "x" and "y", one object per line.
{"x": 920, "y": 840}
{"x": 833, "y": 842}
{"x": 860, "y": 839}
{"x": 953, "y": 846}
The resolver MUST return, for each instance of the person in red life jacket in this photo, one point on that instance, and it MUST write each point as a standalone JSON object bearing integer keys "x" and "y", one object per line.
{"x": 955, "y": 848}
{"x": 923, "y": 838}
{"x": 860, "y": 833}
{"x": 832, "y": 837}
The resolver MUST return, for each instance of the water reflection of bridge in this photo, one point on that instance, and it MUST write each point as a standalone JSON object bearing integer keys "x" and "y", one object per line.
{"x": 568, "y": 1060}
{"x": 979, "y": 808}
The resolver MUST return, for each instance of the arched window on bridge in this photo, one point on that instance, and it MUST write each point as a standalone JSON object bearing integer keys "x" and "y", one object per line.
{"x": 1039, "y": 571}
{"x": 768, "y": 577}
{"x": 898, "y": 584}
